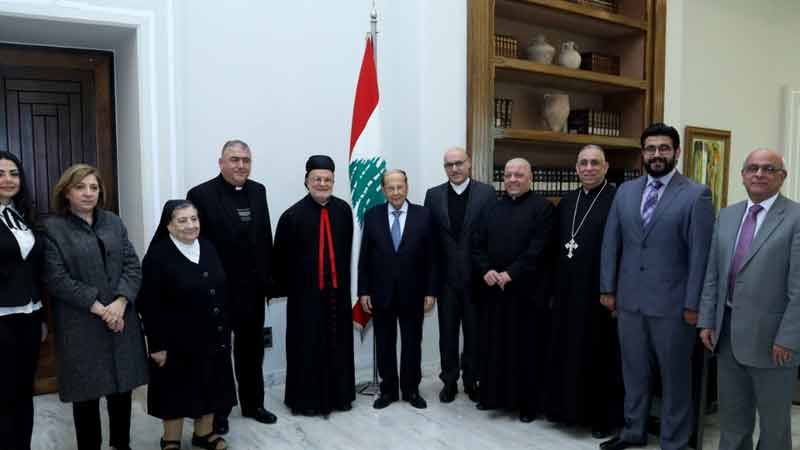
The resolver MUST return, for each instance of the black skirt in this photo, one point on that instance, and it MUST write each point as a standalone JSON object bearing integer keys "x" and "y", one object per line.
{"x": 191, "y": 385}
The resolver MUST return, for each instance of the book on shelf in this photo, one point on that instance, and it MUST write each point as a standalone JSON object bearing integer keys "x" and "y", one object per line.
{"x": 505, "y": 45}
{"x": 597, "y": 62}
{"x": 502, "y": 112}
{"x": 598, "y": 123}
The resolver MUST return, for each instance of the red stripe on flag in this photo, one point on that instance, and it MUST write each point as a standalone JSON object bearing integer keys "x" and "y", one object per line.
{"x": 366, "y": 95}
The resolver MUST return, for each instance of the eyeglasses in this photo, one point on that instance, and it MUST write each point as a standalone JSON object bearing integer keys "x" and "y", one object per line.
{"x": 320, "y": 180}
{"x": 662, "y": 149}
{"x": 455, "y": 164}
{"x": 768, "y": 169}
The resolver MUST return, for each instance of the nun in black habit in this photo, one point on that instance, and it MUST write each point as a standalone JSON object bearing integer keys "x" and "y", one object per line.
{"x": 182, "y": 304}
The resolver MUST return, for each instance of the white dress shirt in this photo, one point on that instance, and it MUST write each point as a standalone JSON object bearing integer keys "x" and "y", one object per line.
{"x": 460, "y": 188}
{"x": 765, "y": 205}
{"x": 403, "y": 215}
{"x": 664, "y": 182}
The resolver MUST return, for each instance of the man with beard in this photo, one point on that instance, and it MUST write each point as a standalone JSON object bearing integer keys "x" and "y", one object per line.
{"x": 312, "y": 269}
{"x": 456, "y": 207}
{"x": 655, "y": 247}
{"x": 586, "y": 379}
{"x": 235, "y": 218}
{"x": 508, "y": 256}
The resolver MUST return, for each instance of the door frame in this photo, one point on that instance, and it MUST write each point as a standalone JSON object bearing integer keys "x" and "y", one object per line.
{"x": 101, "y": 63}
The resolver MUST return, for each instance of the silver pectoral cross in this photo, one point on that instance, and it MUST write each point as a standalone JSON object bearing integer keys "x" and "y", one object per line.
{"x": 570, "y": 246}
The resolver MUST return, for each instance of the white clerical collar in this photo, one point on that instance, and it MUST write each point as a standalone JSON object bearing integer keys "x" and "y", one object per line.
{"x": 190, "y": 251}
{"x": 766, "y": 204}
{"x": 460, "y": 188}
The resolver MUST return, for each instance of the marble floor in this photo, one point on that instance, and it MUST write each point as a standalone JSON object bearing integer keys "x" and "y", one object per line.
{"x": 457, "y": 425}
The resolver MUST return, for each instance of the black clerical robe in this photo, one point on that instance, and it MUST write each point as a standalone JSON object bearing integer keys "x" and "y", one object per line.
{"x": 514, "y": 237}
{"x": 315, "y": 277}
{"x": 585, "y": 385}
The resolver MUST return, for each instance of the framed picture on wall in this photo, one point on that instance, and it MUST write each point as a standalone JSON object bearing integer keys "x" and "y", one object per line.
{"x": 706, "y": 159}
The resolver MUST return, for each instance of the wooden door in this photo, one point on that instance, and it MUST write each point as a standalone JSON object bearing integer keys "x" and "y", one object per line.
{"x": 56, "y": 109}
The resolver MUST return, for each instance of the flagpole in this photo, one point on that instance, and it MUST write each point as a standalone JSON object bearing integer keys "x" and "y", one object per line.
{"x": 373, "y": 387}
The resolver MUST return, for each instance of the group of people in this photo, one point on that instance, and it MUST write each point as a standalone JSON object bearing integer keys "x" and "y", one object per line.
{"x": 569, "y": 312}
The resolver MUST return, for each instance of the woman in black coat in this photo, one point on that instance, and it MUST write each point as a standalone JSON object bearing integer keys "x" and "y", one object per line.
{"x": 21, "y": 319}
{"x": 182, "y": 303}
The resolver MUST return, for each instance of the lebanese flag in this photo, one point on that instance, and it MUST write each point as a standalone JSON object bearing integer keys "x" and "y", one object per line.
{"x": 366, "y": 164}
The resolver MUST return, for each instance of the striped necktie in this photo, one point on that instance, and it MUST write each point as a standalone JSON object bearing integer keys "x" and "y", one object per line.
{"x": 650, "y": 201}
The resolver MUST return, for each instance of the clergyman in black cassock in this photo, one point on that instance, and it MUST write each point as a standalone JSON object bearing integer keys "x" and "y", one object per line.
{"x": 585, "y": 385}
{"x": 313, "y": 243}
{"x": 508, "y": 254}
{"x": 235, "y": 216}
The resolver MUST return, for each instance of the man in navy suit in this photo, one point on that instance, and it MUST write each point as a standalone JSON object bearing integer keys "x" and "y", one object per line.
{"x": 397, "y": 282}
{"x": 653, "y": 261}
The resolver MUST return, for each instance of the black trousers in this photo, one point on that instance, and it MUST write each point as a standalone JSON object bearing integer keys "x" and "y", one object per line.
{"x": 386, "y": 318}
{"x": 457, "y": 312}
{"x": 19, "y": 350}
{"x": 87, "y": 422}
{"x": 247, "y": 325}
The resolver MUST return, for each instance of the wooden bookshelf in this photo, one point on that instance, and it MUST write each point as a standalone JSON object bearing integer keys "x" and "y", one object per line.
{"x": 564, "y": 139}
{"x": 634, "y": 33}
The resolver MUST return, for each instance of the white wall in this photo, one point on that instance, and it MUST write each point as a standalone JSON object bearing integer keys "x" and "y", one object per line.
{"x": 727, "y": 64}
{"x": 282, "y": 77}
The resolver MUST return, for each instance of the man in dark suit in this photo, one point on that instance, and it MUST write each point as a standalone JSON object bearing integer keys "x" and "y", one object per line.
{"x": 456, "y": 206}
{"x": 234, "y": 216}
{"x": 655, "y": 247}
{"x": 750, "y": 308}
{"x": 397, "y": 282}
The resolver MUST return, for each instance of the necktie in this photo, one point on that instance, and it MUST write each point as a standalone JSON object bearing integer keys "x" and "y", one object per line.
{"x": 650, "y": 201}
{"x": 396, "y": 232}
{"x": 743, "y": 246}
{"x": 13, "y": 221}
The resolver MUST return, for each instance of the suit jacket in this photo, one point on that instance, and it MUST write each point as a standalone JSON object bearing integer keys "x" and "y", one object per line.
{"x": 454, "y": 254}
{"x": 218, "y": 217}
{"x": 402, "y": 277}
{"x": 657, "y": 270}
{"x": 19, "y": 279}
{"x": 766, "y": 297}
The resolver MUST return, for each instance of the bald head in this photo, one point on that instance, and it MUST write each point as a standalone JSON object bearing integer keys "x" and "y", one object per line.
{"x": 457, "y": 165}
{"x": 517, "y": 176}
{"x": 763, "y": 174}
{"x": 591, "y": 166}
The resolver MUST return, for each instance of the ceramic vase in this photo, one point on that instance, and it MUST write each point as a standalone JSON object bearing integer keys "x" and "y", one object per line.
{"x": 556, "y": 110}
{"x": 540, "y": 51}
{"x": 569, "y": 56}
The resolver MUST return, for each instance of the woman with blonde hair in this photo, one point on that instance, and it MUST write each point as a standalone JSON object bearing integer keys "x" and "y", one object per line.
{"x": 93, "y": 276}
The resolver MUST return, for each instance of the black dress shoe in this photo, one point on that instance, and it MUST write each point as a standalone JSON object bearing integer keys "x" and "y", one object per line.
{"x": 261, "y": 415}
{"x": 616, "y": 443}
{"x": 526, "y": 418}
{"x": 481, "y": 407}
{"x": 472, "y": 391}
{"x": 221, "y": 425}
{"x": 448, "y": 393}
{"x": 600, "y": 433}
{"x": 383, "y": 401}
{"x": 415, "y": 400}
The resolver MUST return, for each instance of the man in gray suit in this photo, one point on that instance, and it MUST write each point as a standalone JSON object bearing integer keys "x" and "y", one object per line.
{"x": 457, "y": 205}
{"x": 653, "y": 260}
{"x": 750, "y": 308}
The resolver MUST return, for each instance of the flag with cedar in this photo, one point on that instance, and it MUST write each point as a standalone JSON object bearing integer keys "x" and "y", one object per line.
{"x": 366, "y": 163}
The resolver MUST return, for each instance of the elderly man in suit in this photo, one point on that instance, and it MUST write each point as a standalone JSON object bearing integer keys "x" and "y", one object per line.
{"x": 655, "y": 248}
{"x": 397, "y": 283}
{"x": 456, "y": 206}
{"x": 750, "y": 308}
{"x": 235, "y": 217}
